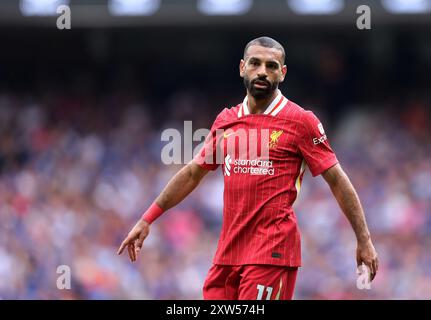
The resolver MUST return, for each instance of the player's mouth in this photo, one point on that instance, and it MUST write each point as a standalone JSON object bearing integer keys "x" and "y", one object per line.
{"x": 260, "y": 84}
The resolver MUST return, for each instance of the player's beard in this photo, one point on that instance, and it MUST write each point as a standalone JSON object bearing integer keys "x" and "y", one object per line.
{"x": 260, "y": 93}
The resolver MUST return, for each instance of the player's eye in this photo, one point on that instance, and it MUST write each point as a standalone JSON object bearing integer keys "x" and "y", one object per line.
{"x": 254, "y": 63}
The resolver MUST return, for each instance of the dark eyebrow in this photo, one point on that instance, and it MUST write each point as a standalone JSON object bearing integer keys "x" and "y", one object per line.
{"x": 274, "y": 62}
{"x": 252, "y": 59}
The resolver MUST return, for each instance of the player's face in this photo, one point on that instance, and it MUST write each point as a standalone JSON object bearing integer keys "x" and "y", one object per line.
{"x": 262, "y": 69}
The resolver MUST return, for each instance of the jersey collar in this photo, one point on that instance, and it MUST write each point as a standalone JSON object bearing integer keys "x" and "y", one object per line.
{"x": 273, "y": 109}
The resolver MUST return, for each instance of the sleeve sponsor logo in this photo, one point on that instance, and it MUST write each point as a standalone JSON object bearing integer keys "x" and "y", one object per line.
{"x": 323, "y": 138}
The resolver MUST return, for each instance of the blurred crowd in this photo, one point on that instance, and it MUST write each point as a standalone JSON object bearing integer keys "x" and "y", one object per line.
{"x": 76, "y": 173}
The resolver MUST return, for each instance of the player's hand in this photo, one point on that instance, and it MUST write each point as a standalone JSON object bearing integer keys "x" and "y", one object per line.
{"x": 365, "y": 253}
{"x": 135, "y": 239}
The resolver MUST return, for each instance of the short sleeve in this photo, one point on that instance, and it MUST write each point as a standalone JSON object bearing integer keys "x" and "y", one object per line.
{"x": 208, "y": 155}
{"x": 314, "y": 146}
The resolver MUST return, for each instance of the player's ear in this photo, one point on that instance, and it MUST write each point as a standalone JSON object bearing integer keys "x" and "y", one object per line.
{"x": 283, "y": 72}
{"x": 241, "y": 68}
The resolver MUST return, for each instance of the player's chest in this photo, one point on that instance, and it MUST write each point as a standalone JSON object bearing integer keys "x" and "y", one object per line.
{"x": 259, "y": 135}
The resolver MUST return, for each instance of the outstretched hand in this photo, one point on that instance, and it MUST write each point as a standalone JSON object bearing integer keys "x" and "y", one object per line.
{"x": 135, "y": 239}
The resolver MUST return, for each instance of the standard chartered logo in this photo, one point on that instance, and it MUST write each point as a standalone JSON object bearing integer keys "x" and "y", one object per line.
{"x": 227, "y": 162}
{"x": 247, "y": 166}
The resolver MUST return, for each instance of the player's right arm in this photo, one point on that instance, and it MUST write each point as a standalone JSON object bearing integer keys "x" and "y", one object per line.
{"x": 181, "y": 185}
{"x": 178, "y": 188}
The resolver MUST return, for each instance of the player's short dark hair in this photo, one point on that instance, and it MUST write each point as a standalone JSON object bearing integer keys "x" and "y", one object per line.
{"x": 266, "y": 42}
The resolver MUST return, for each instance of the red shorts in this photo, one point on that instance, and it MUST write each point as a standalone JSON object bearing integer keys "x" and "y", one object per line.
{"x": 250, "y": 282}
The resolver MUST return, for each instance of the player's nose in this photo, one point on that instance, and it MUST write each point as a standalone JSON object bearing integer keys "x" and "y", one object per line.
{"x": 261, "y": 72}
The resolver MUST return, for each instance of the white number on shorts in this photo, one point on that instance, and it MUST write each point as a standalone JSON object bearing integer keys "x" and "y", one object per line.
{"x": 261, "y": 289}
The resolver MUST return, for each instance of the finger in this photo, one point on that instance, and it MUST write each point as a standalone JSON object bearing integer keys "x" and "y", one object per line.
{"x": 137, "y": 249}
{"x": 375, "y": 267}
{"x": 134, "y": 251}
{"x": 371, "y": 270}
{"x": 123, "y": 245}
{"x": 140, "y": 242}
{"x": 138, "y": 246}
{"x": 130, "y": 254}
{"x": 358, "y": 261}
{"x": 131, "y": 250}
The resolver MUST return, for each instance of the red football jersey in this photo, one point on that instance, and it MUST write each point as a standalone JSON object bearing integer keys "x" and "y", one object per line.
{"x": 261, "y": 184}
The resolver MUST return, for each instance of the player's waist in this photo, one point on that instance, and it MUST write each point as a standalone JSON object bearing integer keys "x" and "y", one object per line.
{"x": 244, "y": 212}
{"x": 241, "y": 202}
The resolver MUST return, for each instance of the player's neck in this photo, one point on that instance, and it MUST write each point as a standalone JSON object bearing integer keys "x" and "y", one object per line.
{"x": 257, "y": 106}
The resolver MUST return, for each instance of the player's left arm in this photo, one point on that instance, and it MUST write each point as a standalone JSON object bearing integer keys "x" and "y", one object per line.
{"x": 350, "y": 204}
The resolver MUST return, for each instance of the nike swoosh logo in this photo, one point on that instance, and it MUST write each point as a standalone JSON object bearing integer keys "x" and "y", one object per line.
{"x": 225, "y": 135}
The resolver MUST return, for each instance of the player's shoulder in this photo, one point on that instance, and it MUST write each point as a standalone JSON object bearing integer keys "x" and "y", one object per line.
{"x": 293, "y": 111}
{"x": 306, "y": 120}
{"x": 297, "y": 113}
{"x": 229, "y": 113}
